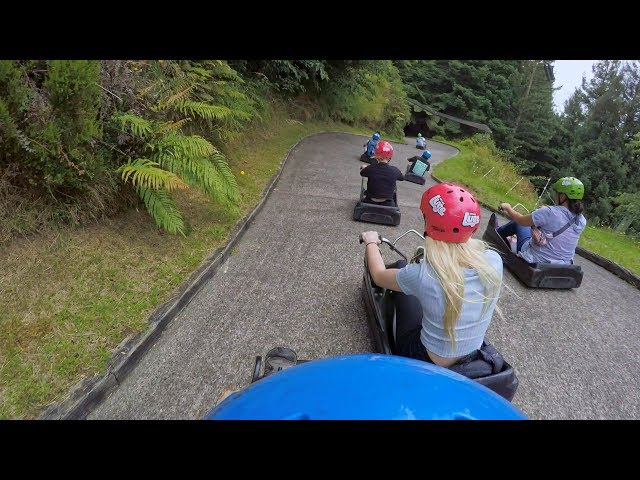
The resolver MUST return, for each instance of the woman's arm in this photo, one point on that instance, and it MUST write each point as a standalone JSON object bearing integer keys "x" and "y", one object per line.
{"x": 524, "y": 220}
{"x": 383, "y": 277}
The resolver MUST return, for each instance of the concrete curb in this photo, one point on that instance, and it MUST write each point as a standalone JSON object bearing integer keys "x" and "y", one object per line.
{"x": 605, "y": 263}
{"x": 88, "y": 393}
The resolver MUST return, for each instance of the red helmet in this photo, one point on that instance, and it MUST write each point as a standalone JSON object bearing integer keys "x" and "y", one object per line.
{"x": 384, "y": 150}
{"x": 450, "y": 212}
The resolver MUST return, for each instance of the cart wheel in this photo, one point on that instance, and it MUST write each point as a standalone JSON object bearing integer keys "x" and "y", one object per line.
{"x": 256, "y": 369}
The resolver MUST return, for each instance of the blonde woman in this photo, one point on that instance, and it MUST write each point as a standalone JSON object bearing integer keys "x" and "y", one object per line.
{"x": 445, "y": 303}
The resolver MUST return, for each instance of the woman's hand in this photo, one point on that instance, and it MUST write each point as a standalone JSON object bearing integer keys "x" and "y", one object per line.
{"x": 370, "y": 236}
{"x": 524, "y": 220}
{"x": 383, "y": 277}
{"x": 505, "y": 206}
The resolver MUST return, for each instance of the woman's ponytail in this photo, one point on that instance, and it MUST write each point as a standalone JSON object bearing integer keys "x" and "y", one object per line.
{"x": 576, "y": 206}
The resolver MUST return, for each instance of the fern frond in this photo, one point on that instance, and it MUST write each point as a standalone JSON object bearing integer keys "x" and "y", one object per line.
{"x": 235, "y": 94}
{"x": 203, "y": 72}
{"x": 167, "y": 127}
{"x": 213, "y": 177}
{"x": 162, "y": 209}
{"x": 133, "y": 124}
{"x": 203, "y": 110}
{"x": 176, "y": 97}
{"x": 148, "y": 88}
{"x": 145, "y": 174}
{"x": 229, "y": 185}
{"x": 200, "y": 164}
{"x": 177, "y": 145}
{"x": 221, "y": 68}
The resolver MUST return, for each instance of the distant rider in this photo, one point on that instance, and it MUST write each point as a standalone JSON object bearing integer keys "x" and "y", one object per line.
{"x": 381, "y": 177}
{"x": 372, "y": 144}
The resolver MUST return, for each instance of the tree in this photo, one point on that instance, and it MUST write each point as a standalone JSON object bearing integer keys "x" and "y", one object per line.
{"x": 631, "y": 122}
{"x": 597, "y": 151}
{"x": 536, "y": 122}
{"x": 627, "y": 212}
{"x": 478, "y": 90}
{"x": 285, "y": 76}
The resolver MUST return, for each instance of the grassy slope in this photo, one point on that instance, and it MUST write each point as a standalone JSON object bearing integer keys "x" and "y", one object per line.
{"x": 68, "y": 298}
{"x": 622, "y": 249}
{"x": 489, "y": 177}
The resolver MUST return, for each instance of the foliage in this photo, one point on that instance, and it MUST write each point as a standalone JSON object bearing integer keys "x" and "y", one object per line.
{"x": 626, "y": 214}
{"x": 479, "y": 91}
{"x": 366, "y": 92}
{"x": 172, "y": 161}
{"x": 488, "y": 172}
{"x": 598, "y": 146}
{"x": 49, "y": 124}
{"x": 67, "y": 126}
{"x": 285, "y": 76}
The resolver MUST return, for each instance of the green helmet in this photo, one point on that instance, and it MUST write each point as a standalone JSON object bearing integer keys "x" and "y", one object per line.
{"x": 570, "y": 186}
{"x": 419, "y": 134}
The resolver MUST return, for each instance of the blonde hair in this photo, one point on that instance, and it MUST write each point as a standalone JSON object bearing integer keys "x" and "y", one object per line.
{"x": 448, "y": 261}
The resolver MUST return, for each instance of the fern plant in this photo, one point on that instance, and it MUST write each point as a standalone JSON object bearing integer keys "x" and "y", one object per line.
{"x": 206, "y": 95}
{"x": 172, "y": 160}
{"x": 179, "y": 103}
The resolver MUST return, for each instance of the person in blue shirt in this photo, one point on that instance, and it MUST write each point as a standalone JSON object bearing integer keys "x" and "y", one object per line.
{"x": 371, "y": 145}
{"x": 561, "y": 225}
{"x": 421, "y": 143}
{"x": 417, "y": 169}
{"x": 423, "y": 167}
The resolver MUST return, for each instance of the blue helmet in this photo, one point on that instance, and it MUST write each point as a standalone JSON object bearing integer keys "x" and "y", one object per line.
{"x": 376, "y": 136}
{"x": 365, "y": 387}
{"x": 426, "y": 154}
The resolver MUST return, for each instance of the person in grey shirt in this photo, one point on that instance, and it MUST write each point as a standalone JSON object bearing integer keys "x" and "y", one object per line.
{"x": 445, "y": 303}
{"x": 560, "y": 225}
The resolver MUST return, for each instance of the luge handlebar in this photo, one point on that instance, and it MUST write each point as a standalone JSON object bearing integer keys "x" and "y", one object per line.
{"x": 387, "y": 242}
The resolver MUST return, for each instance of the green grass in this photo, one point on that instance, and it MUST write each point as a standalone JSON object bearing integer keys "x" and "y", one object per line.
{"x": 474, "y": 161}
{"x": 68, "y": 298}
{"x": 488, "y": 176}
{"x": 622, "y": 249}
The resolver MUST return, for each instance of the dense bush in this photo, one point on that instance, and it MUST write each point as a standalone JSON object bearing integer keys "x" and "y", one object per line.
{"x": 369, "y": 93}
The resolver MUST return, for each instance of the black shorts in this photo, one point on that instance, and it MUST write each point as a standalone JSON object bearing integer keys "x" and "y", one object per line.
{"x": 410, "y": 345}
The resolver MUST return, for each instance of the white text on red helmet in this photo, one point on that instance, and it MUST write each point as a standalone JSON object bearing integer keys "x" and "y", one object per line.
{"x": 438, "y": 205}
{"x": 470, "y": 219}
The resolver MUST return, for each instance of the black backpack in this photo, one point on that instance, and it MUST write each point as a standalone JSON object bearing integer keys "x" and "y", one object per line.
{"x": 487, "y": 367}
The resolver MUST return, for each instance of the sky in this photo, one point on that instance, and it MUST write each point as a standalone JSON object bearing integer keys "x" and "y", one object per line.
{"x": 568, "y": 74}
